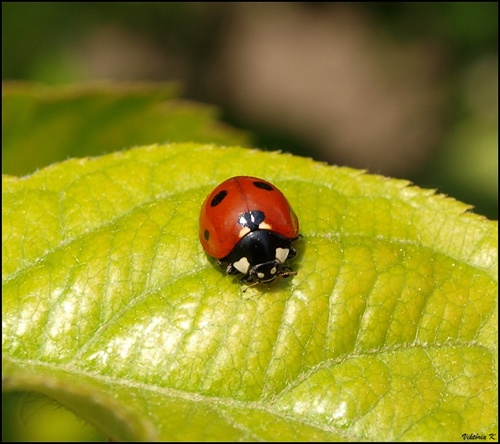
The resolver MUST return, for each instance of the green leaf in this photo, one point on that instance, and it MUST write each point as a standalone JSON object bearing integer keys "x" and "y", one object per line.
{"x": 45, "y": 124}
{"x": 111, "y": 307}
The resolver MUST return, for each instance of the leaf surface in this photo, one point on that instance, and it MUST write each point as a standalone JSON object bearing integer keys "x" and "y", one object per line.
{"x": 111, "y": 307}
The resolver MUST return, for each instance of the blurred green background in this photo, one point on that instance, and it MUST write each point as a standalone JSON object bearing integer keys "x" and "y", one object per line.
{"x": 408, "y": 90}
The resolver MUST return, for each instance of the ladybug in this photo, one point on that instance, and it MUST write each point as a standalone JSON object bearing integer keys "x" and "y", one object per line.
{"x": 247, "y": 224}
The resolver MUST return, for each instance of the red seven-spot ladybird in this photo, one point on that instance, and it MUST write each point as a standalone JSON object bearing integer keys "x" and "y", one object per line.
{"x": 248, "y": 225}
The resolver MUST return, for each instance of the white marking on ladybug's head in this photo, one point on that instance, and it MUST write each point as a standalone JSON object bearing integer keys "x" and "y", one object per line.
{"x": 273, "y": 270}
{"x": 260, "y": 275}
{"x": 282, "y": 254}
{"x": 243, "y": 232}
{"x": 242, "y": 265}
{"x": 264, "y": 226}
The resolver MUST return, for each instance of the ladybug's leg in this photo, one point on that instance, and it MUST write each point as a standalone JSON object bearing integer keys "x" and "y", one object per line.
{"x": 249, "y": 280}
{"x": 231, "y": 270}
{"x": 287, "y": 272}
{"x": 249, "y": 285}
{"x": 293, "y": 252}
{"x": 228, "y": 266}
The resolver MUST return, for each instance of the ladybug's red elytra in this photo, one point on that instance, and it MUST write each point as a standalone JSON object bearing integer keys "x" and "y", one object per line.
{"x": 247, "y": 224}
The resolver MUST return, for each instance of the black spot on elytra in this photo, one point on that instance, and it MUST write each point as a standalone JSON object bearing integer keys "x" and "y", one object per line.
{"x": 252, "y": 219}
{"x": 206, "y": 235}
{"x": 263, "y": 186}
{"x": 218, "y": 198}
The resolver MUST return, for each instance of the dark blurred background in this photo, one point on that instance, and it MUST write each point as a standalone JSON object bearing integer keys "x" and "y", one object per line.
{"x": 408, "y": 90}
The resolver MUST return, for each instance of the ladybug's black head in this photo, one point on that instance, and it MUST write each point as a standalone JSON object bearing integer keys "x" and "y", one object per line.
{"x": 260, "y": 256}
{"x": 266, "y": 273}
